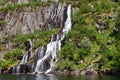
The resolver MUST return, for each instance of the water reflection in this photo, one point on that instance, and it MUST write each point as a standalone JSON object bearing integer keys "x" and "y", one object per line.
{"x": 37, "y": 77}
{"x": 45, "y": 77}
{"x": 57, "y": 77}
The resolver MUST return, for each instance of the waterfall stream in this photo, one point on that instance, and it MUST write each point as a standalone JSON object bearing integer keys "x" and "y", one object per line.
{"x": 46, "y": 57}
{"x": 50, "y": 55}
{"x": 24, "y": 60}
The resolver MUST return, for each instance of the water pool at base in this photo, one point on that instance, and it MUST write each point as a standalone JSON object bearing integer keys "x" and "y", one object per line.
{"x": 57, "y": 77}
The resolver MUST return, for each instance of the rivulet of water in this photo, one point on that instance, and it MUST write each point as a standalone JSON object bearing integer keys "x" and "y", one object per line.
{"x": 50, "y": 57}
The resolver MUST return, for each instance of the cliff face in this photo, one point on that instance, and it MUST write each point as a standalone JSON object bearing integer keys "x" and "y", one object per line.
{"x": 33, "y": 22}
{"x": 29, "y": 19}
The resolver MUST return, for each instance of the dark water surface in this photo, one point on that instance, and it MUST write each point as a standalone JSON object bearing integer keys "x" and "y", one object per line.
{"x": 57, "y": 77}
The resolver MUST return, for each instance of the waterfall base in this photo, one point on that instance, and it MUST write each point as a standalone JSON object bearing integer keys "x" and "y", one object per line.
{"x": 23, "y": 68}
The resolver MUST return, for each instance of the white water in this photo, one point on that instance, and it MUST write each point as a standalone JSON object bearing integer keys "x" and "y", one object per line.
{"x": 23, "y": 61}
{"x": 54, "y": 46}
{"x": 55, "y": 11}
{"x": 24, "y": 58}
{"x": 68, "y": 23}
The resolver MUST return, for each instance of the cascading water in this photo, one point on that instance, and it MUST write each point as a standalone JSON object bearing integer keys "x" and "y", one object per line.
{"x": 53, "y": 15}
{"x": 46, "y": 57}
{"x": 24, "y": 58}
{"x": 16, "y": 69}
{"x": 46, "y": 62}
{"x": 23, "y": 61}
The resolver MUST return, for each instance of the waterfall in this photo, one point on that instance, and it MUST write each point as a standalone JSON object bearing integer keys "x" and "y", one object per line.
{"x": 25, "y": 58}
{"x": 45, "y": 57}
{"x": 46, "y": 62}
{"x": 53, "y": 15}
{"x": 23, "y": 61}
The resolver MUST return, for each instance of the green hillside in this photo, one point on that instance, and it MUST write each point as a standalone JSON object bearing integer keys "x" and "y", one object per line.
{"x": 94, "y": 38}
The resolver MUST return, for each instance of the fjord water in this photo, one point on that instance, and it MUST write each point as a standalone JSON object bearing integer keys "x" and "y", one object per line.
{"x": 58, "y": 77}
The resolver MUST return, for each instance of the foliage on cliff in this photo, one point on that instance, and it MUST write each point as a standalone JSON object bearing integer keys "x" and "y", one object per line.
{"x": 16, "y": 46}
{"x": 94, "y": 38}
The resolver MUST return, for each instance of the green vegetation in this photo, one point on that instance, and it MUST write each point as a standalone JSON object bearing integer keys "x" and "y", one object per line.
{"x": 87, "y": 43}
{"x": 3, "y": 2}
{"x": 117, "y": 20}
{"x": 3, "y": 23}
{"x": 13, "y": 56}
{"x": 7, "y": 64}
{"x": 31, "y": 4}
{"x": 40, "y": 38}
{"x": 0, "y": 48}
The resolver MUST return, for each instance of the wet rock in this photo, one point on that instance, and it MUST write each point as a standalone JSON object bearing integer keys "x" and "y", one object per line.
{"x": 75, "y": 72}
{"x": 4, "y": 70}
{"x": 83, "y": 72}
{"x": 91, "y": 72}
{"x": 25, "y": 68}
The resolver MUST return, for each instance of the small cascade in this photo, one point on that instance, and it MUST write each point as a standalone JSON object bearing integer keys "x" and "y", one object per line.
{"x": 55, "y": 11}
{"x": 46, "y": 62}
{"x": 53, "y": 16}
{"x": 49, "y": 55}
{"x": 24, "y": 60}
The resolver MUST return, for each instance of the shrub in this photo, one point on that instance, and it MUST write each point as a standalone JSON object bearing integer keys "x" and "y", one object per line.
{"x": 13, "y": 54}
{"x": 3, "y": 23}
{"x": 7, "y": 64}
{"x": 0, "y": 48}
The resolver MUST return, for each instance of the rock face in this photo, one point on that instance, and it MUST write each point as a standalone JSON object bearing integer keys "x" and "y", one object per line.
{"x": 46, "y": 56}
{"x": 28, "y": 20}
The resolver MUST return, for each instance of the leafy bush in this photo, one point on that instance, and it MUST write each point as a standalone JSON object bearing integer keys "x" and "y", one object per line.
{"x": 84, "y": 41}
{"x": 117, "y": 19}
{"x": 13, "y": 54}
{"x": 7, "y": 64}
{"x": 40, "y": 38}
{"x": 66, "y": 64}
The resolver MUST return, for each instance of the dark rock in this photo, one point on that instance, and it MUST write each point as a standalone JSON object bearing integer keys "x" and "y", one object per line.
{"x": 4, "y": 71}
{"x": 91, "y": 72}
{"x": 4, "y": 42}
{"x": 25, "y": 68}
